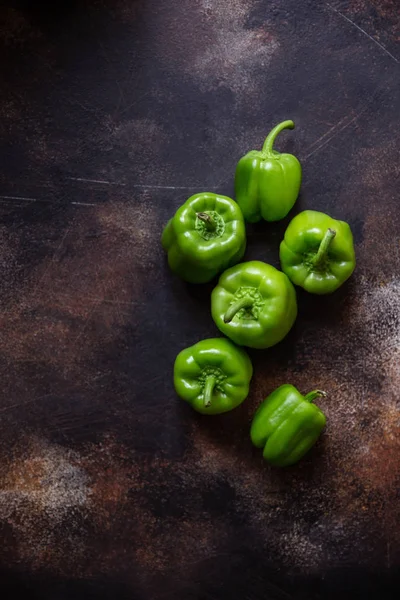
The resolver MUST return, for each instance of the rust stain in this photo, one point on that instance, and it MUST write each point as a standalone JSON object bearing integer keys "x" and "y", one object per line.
{"x": 379, "y": 463}
{"x": 194, "y": 541}
{"x": 217, "y": 49}
{"x": 52, "y": 497}
{"x": 380, "y": 17}
{"x": 384, "y": 8}
{"x": 42, "y": 486}
{"x": 114, "y": 474}
{"x": 86, "y": 288}
{"x": 48, "y": 477}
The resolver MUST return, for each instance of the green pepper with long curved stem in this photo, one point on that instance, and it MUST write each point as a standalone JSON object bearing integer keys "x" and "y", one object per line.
{"x": 267, "y": 183}
{"x": 287, "y": 424}
{"x": 317, "y": 252}
{"x": 206, "y": 235}
{"x": 213, "y": 376}
{"x": 254, "y": 304}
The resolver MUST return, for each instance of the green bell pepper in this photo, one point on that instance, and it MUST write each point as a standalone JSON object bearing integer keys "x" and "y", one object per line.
{"x": 287, "y": 425}
{"x": 213, "y": 376}
{"x": 317, "y": 252}
{"x": 206, "y": 235}
{"x": 254, "y": 304}
{"x": 267, "y": 183}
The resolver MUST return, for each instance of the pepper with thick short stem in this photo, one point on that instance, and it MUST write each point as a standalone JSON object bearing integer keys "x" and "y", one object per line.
{"x": 208, "y": 390}
{"x": 311, "y": 396}
{"x": 320, "y": 257}
{"x": 245, "y": 302}
{"x": 208, "y": 221}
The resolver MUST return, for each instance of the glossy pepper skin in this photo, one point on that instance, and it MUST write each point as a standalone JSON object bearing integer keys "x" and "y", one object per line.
{"x": 287, "y": 425}
{"x": 317, "y": 252}
{"x": 213, "y": 376}
{"x": 206, "y": 235}
{"x": 267, "y": 183}
{"x": 254, "y": 304}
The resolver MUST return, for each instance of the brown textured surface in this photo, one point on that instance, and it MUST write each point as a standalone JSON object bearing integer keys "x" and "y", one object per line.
{"x": 111, "y": 115}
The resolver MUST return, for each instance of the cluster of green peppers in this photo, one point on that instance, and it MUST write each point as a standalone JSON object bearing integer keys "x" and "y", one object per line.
{"x": 255, "y": 304}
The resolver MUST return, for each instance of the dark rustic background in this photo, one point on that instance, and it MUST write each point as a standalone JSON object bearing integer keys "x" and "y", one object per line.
{"x": 112, "y": 113}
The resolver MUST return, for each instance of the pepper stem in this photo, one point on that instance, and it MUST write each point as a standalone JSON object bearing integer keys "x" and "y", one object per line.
{"x": 324, "y": 247}
{"x": 208, "y": 390}
{"x": 270, "y": 140}
{"x": 311, "y": 396}
{"x": 208, "y": 221}
{"x": 234, "y": 308}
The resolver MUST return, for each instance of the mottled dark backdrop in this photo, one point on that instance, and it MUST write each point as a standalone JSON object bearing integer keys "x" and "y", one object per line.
{"x": 111, "y": 114}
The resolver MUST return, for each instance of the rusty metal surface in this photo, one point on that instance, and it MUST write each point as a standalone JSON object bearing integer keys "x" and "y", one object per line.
{"x": 111, "y": 115}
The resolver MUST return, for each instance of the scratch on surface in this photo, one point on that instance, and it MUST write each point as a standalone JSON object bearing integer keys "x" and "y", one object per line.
{"x": 19, "y": 198}
{"x": 331, "y": 130}
{"x": 84, "y": 203}
{"x": 135, "y": 185}
{"x": 166, "y": 187}
{"x": 45, "y": 200}
{"x": 335, "y": 131}
{"x": 22, "y": 404}
{"x": 101, "y": 181}
{"x": 363, "y": 31}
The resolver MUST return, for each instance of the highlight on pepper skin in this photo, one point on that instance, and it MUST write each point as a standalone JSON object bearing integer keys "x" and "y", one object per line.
{"x": 213, "y": 376}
